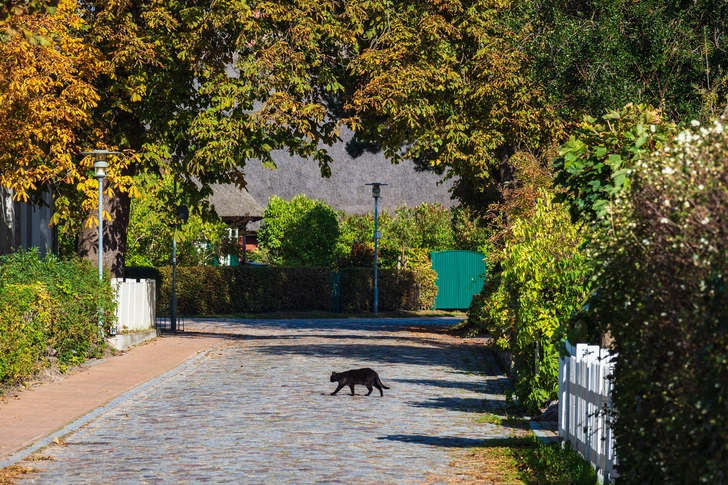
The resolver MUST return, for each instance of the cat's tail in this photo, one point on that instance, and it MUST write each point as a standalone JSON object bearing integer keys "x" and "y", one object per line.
{"x": 379, "y": 381}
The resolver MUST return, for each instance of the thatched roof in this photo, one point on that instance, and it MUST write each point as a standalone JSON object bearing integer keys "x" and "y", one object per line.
{"x": 345, "y": 190}
{"x": 234, "y": 205}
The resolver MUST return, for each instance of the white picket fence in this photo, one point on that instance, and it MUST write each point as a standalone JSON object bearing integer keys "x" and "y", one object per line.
{"x": 584, "y": 396}
{"x": 136, "y": 308}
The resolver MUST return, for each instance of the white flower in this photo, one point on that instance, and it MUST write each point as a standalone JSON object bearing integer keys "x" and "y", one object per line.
{"x": 701, "y": 187}
{"x": 646, "y": 242}
{"x": 668, "y": 171}
{"x": 664, "y": 220}
{"x": 718, "y": 128}
{"x": 695, "y": 123}
{"x": 667, "y": 202}
{"x": 686, "y": 204}
{"x": 705, "y": 221}
{"x": 653, "y": 128}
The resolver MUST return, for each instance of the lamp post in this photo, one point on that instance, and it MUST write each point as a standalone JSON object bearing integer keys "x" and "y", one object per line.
{"x": 183, "y": 214}
{"x": 100, "y": 166}
{"x": 375, "y": 193}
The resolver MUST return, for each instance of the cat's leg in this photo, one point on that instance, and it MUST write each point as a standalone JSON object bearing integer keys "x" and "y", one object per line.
{"x": 338, "y": 388}
{"x": 369, "y": 386}
{"x": 381, "y": 393}
{"x": 351, "y": 386}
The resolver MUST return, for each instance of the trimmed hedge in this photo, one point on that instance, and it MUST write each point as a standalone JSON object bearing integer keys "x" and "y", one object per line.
{"x": 49, "y": 308}
{"x": 210, "y": 290}
{"x": 398, "y": 289}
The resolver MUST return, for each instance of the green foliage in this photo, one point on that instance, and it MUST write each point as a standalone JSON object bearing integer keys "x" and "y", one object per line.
{"x": 597, "y": 160}
{"x": 398, "y": 289}
{"x": 208, "y": 290}
{"x": 201, "y": 240}
{"x": 596, "y": 56}
{"x": 662, "y": 292}
{"x": 25, "y": 319}
{"x": 445, "y": 84}
{"x": 57, "y": 310}
{"x": 299, "y": 232}
{"x": 529, "y": 460}
{"x": 418, "y": 231}
{"x": 407, "y": 240}
{"x": 544, "y": 279}
{"x": 554, "y": 464}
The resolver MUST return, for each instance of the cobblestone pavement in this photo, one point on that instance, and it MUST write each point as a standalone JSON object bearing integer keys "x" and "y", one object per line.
{"x": 257, "y": 410}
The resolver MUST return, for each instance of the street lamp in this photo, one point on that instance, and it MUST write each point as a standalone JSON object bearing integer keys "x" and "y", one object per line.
{"x": 183, "y": 214}
{"x": 375, "y": 193}
{"x": 100, "y": 166}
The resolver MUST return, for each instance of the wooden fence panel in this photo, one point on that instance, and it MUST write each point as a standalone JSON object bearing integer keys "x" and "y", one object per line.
{"x": 136, "y": 304}
{"x": 584, "y": 398}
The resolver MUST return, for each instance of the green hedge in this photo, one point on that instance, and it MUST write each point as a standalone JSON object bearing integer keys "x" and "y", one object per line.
{"x": 210, "y": 290}
{"x": 49, "y": 308}
{"x": 398, "y": 289}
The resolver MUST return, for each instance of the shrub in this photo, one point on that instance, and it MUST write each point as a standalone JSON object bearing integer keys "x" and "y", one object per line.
{"x": 596, "y": 163}
{"x": 71, "y": 296}
{"x": 663, "y": 292}
{"x": 26, "y": 314}
{"x": 543, "y": 281}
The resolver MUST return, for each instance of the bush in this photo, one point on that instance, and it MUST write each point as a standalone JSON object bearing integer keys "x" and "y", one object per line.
{"x": 55, "y": 301}
{"x": 209, "y": 290}
{"x": 26, "y": 313}
{"x": 663, "y": 292}
{"x": 543, "y": 281}
{"x": 398, "y": 289}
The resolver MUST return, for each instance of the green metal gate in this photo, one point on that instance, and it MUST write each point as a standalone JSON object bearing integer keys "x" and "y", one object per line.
{"x": 460, "y": 275}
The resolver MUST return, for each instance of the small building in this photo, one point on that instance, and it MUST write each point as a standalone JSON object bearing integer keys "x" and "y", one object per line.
{"x": 23, "y": 225}
{"x": 237, "y": 209}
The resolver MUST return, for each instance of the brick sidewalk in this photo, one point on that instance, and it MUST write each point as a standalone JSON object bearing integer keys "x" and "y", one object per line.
{"x": 46, "y": 409}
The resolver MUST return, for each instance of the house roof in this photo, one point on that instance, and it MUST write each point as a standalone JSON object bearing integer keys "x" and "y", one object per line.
{"x": 234, "y": 205}
{"x": 346, "y": 189}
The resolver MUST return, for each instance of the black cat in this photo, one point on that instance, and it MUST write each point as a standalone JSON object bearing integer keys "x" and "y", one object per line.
{"x": 363, "y": 377}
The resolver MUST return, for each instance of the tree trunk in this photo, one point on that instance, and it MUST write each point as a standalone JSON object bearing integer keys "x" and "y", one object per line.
{"x": 114, "y": 235}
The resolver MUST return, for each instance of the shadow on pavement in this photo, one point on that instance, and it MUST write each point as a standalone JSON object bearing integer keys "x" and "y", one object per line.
{"x": 441, "y": 441}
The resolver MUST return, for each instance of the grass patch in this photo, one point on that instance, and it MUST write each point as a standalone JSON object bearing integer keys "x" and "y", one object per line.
{"x": 511, "y": 421}
{"x": 522, "y": 461}
{"x": 321, "y": 314}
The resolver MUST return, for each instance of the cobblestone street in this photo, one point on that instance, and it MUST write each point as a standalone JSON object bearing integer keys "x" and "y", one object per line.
{"x": 256, "y": 409}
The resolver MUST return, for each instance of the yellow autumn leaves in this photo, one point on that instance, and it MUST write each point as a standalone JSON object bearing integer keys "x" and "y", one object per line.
{"x": 46, "y": 98}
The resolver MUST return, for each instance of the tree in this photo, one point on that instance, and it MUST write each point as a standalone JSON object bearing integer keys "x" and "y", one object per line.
{"x": 446, "y": 84}
{"x": 299, "y": 232}
{"x": 46, "y": 97}
{"x": 200, "y": 89}
{"x": 598, "y": 56}
{"x": 10, "y": 8}
{"x": 200, "y": 240}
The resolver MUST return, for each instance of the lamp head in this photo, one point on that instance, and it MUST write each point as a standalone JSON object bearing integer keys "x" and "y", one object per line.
{"x": 100, "y": 164}
{"x": 376, "y": 189}
{"x": 100, "y": 169}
